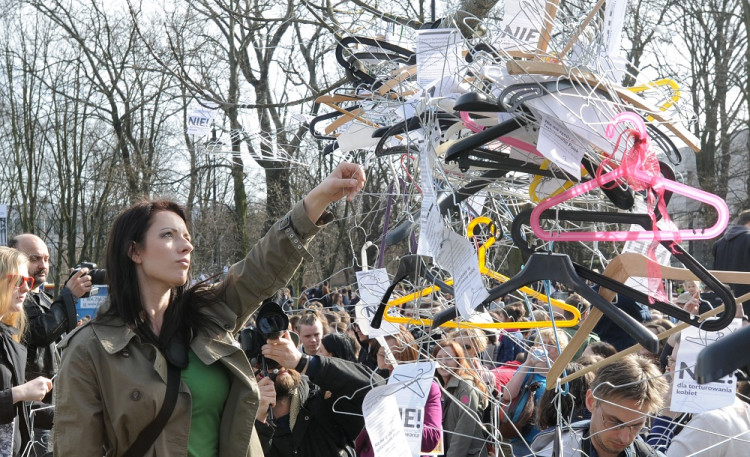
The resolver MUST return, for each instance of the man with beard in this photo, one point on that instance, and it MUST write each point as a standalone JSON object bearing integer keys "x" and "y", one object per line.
{"x": 620, "y": 398}
{"x": 315, "y": 418}
{"x": 48, "y": 320}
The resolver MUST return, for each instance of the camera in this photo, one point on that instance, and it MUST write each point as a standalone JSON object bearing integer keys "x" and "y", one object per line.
{"x": 98, "y": 275}
{"x": 270, "y": 323}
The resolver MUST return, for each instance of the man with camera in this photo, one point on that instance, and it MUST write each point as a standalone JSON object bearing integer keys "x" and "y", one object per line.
{"x": 320, "y": 415}
{"x": 48, "y": 320}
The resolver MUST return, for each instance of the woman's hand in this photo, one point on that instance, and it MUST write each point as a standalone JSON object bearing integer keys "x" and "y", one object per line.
{"x": 34, "y": 390}
{"x": 345, "y": 181}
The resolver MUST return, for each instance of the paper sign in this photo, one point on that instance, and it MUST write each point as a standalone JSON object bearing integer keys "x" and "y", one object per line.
{"x": 357, "y": 136}
{"x": 383, "y": 423}
{"x": 614, "y": 18}
{"x": 558, "y": 144}
{"x": 584, "y": 113}
{"x": 438, "y": 54}
{"x": 199, "y": 122}
{"x": 522, "y": 25}
{"x": 687, "y": 395}
{"x": 431, "y": 228}
{"x": 457, "y": 255}
{"x": 372, "y": 285}
{"x": 415, "y": 381}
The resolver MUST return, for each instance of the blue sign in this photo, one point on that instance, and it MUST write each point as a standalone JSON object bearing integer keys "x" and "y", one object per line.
{"x": 88, "y": 306}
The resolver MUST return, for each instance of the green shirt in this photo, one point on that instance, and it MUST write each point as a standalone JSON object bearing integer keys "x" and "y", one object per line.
{"x": 209, "y": 388}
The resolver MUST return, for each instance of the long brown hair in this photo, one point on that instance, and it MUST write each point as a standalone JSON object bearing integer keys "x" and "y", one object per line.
{"x": 183, "y": 313}
{"x": 464, "y": 370}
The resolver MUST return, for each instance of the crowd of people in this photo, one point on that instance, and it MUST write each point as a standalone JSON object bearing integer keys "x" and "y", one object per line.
{"x": 159, "y": 371}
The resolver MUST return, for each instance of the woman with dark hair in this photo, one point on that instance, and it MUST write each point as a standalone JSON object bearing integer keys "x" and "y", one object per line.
{"x": 339, "y": 345}
{"x": 154, "y": 329}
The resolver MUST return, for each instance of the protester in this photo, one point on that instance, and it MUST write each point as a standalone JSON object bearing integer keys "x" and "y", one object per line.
{"x": 111, "y": 384}
{"x": 16, "y": 394}
{"x": 339, "y": 345}
{"x": 463, "y": 403}
{"x": 621, "y": 397}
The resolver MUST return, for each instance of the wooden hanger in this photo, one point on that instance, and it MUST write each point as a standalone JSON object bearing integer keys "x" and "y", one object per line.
{"x": 516, "y": 67}
{"x": 622, "y": 267}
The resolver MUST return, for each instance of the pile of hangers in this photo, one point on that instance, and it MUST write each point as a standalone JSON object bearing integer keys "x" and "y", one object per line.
{"x": 482, "y": 123}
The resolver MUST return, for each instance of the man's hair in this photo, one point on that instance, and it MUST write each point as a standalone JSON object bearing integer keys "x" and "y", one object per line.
{"x": 632, "y": 377}
{"x": 579, "y": 303}
{"x": 743, "y": 218}
{"x": 310, "y": 316}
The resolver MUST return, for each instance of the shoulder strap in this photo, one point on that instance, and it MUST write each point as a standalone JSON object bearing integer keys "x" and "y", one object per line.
{"x": 152, "y": 431}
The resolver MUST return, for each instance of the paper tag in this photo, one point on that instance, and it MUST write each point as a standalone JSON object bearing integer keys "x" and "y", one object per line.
{"x": 614, "y": 18}
{"x": 559, "y": 145}
{"x": 372, "y": 286}
{"x": 457, "y": 255}
{"x": 687, "y": 395}
{"x": 415, "y": 380}
{"x": 438, "y": 54}
{"x": 383, "y": 423}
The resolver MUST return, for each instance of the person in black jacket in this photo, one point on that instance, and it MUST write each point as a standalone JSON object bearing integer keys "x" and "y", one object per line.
{"x": 319, "y": 416}
{"x": 16, "y": 395}
{"x": 732, "y": 253}
{"x": 48, "y": 320}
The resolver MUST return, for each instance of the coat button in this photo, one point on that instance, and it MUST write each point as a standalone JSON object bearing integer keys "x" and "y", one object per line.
{"x": 135, "y": 395}
{"x": 125, "y": 353}
{"x": 307, "y": 418}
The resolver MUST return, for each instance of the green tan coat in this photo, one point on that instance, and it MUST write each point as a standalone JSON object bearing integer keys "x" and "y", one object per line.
{"x": 111, "y": 385}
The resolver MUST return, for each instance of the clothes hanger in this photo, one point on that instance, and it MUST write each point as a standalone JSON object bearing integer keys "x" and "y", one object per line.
{"x": 639, "y": 266}
{"x": 627, "y": 265}
{"x": 559, "y": 268}
{"x": 636, "y": 172}
{"x": 410, "y": 264}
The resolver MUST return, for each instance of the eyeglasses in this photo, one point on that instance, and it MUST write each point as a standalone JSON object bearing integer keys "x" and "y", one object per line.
{"x": 18, "y": 280}
{"x": 617, "y": 426}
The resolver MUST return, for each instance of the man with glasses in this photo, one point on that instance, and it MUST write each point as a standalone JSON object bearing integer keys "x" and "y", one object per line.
{"x": 621, "y": 397}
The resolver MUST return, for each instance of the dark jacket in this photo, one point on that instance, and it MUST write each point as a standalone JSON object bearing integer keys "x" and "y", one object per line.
{"x": 732, "y": 253}
{"x": 48, "y": 321}
{"x": 322, "y": 427}
{"x": 12, "y": 364}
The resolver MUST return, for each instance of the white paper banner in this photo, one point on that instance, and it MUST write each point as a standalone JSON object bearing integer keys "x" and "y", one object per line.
{"x": 199, "y": 122}
{"x": 687, "y": 395}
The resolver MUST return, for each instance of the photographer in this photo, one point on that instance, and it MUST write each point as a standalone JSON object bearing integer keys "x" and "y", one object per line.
{"x": 319, "y": 417}
{"x": 48, "y": 320}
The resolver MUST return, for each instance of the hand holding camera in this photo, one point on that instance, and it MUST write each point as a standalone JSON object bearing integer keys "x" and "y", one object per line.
{"x": 83, "y": 277}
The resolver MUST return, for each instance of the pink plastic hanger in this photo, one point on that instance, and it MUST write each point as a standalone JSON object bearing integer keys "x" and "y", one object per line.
{"x": 635, "y": 171}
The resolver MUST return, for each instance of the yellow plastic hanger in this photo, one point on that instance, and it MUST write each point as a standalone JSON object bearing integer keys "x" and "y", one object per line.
{"x": 481, "y": 256}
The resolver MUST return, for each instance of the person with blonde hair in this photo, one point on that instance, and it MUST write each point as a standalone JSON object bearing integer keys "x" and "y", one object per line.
{"x": 16, "y": 395}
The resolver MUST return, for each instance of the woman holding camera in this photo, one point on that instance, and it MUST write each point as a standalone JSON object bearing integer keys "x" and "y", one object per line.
{"x": 118, "y": 371}
{"x": 15, "y": 393}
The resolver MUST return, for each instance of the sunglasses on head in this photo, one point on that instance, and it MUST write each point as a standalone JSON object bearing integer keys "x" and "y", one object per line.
{"x": 18, "y": 280}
